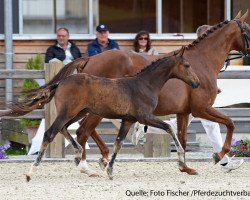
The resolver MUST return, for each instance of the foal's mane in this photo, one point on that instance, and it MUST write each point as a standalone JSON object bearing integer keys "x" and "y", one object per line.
{"x": 155, "y": 64}
{"x": 207, "y": 33}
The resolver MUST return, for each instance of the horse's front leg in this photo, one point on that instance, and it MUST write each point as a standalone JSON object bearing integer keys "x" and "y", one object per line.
{"x": 212, "y": 114}
{"x": 182, "y": 125}
{"x": 125, "y": 126}
{"x": 87, "y": 128}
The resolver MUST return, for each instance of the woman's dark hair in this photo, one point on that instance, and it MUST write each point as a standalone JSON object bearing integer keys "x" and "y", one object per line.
{"x": 136, "y": 41}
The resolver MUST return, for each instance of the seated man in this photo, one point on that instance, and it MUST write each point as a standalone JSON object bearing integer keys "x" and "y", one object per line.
{"x": 102, "y": 42}
{"x": 63, "y": 49}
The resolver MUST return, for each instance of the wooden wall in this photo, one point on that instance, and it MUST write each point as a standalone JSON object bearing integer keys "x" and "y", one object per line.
{"x": 25, "y": 49}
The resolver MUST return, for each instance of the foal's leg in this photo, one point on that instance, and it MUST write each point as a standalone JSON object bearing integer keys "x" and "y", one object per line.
{"x": 155, "y": 122}
{"x": 125, "y": 126}
{"x": 48, "y": 137}
{"x": 182, "y": 124}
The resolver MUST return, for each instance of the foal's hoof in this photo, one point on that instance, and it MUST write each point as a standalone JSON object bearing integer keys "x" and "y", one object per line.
{"x": 28, "y": 178}
{"x": 77, "y": 161}
{"x": 103, "y": 163}
{"x": 190, "y": 171}
{"x": 216, "y": 158}
{"x": 110, "y": 173}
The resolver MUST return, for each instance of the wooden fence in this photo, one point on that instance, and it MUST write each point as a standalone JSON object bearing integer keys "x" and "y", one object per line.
{"x": 56, "y": 149}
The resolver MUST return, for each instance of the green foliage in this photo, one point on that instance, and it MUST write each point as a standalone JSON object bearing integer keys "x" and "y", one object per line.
{"x": 30, "y": 122}
{"x": 14, "y": 151}
{"x": 30, "y": 84}
{"x": 35, "y": 63}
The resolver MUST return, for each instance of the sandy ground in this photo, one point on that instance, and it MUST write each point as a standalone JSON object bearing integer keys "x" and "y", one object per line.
{"x": 132, "y": 180}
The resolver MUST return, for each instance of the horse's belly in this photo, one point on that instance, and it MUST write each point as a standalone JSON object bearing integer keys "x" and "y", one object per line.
{"x": 173, "y": 98}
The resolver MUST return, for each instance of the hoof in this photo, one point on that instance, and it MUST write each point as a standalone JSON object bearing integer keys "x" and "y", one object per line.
{"x": 89, "y": 172}
{"x": 110, "y": 173}
{"x": 190, "y": 171}
{"x": 103, "y": 164}
{"x": 95, "y": 174}
{"x": 28, "y": 178}
{"x": 77, "y": 161}
{"x": 216, "y": 158}
{"x": 193, "y": 173}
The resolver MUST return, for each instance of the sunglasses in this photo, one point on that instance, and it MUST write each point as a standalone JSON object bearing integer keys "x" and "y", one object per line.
{"x": 143, "y": 38}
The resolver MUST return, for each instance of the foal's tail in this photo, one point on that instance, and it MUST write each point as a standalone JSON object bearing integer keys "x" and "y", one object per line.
{"x": 32, "y": 100}
{"x": 37, "y": 98}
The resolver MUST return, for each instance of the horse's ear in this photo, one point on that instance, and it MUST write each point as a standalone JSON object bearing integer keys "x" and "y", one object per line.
{"x": 238, "y": 15}
{"x": 244, "y": 17}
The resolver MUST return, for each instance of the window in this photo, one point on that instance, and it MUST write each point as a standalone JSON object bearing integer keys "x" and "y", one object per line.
{"x": 128, "y": 16}
{"x": 122, "y": 16}
{"x": 238, "y": 5}
{"x": 40, "y": 17}
{"x": 186, "y": 16}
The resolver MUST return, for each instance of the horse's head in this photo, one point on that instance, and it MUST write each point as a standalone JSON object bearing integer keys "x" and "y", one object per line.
{"x": 184, "y": 71}
{"x": 245, "y": 32}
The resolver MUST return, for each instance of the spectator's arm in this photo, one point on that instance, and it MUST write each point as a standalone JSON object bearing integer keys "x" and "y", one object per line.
{"x": 49, "y": 55}
{"x": 117, "y": 46}
{"x": 91, "y": 51}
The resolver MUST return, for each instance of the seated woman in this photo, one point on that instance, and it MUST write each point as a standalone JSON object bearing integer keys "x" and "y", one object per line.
{"x": 142, "y": 44}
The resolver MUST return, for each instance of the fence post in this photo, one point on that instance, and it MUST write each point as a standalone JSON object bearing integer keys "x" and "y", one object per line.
{"x": 56, "y": 148}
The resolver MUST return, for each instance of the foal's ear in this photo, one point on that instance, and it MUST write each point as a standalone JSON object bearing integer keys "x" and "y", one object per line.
{"x": 238, "y": 15}
{"x": 244, "y": 17}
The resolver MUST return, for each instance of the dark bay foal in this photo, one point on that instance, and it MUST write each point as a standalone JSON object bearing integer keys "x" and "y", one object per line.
{"x": 130, "y": 99}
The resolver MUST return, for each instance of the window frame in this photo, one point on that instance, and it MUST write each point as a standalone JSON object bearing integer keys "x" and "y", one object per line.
{"x": 118, "y": 36}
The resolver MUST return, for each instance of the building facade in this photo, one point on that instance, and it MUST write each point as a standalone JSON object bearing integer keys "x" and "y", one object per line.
{"x": 124, "y": 17}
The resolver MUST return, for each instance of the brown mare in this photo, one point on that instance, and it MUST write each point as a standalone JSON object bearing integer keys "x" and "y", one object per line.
{"x": 131, "y": 99}
{"x": 206, "y": 55}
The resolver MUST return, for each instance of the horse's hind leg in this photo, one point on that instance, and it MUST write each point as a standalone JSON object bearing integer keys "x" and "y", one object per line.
{"x": 155, "y": 122}
{"x": 125, "y": 126}
{"x": 212, "y": 114}
{"x": 86, "y": 129}
{"x": 103, "y": 162}
{"x": 48, "y": 137}
{"x": 75, "y": 144}
{"x": 78, "y": 151}
{"x": 182, "y": 124}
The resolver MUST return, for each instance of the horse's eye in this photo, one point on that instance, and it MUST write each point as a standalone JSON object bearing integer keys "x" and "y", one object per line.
{"x": 187, "y": 65}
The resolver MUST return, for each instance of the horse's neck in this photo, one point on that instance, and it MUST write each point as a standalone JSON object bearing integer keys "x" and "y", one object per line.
{"x": 215, "y": 48}
{"x": 157, "y": 75}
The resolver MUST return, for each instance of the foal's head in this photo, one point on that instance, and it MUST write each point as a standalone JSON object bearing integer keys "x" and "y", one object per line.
{"x": 183, "y": 71}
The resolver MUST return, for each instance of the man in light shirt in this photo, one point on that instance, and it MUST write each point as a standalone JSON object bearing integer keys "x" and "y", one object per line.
{"x": 63, "y": 49}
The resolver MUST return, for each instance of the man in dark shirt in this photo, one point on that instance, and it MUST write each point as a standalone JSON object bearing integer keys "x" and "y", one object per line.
{"x": 63, "y": 49}
{"x": 102, "y": 42}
